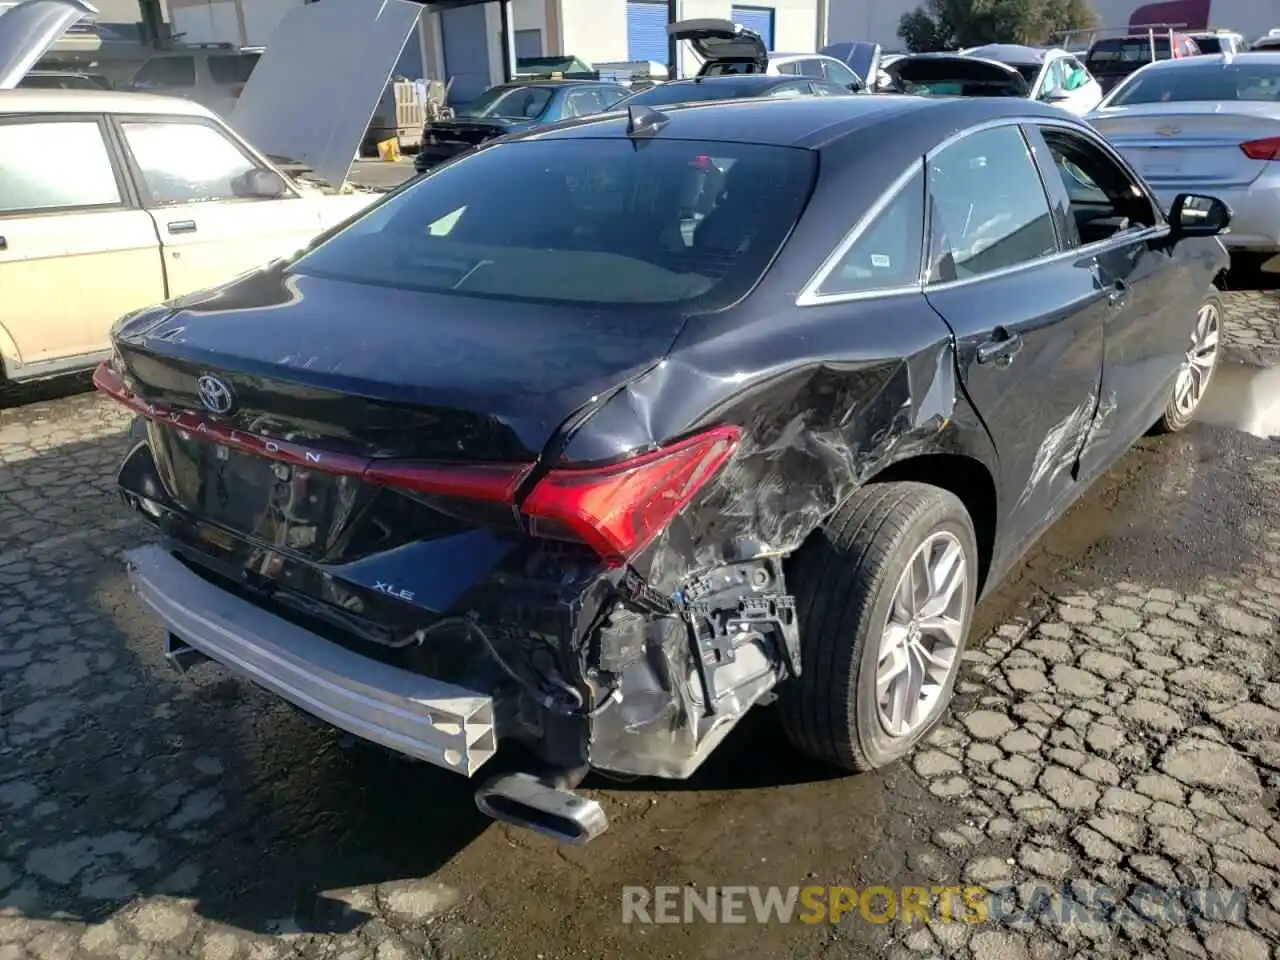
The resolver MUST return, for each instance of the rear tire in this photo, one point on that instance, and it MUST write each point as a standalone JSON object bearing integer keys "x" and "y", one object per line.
{"x": 850, "y": 581}
{"x": 1195, "y": 375}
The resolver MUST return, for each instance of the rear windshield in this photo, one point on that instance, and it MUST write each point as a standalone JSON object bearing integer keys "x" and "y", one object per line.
{"x": 1209, "y": 44}
{"x": 232, "y": 67}
{"x": 1126, "y": 53}
{"x": 509, "y": 103}
{"x": 1192, "y": 80}
{"x": 607, "y": 221}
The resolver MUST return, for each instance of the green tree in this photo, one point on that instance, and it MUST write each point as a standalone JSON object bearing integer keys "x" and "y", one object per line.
{"x": 948, "y": 24}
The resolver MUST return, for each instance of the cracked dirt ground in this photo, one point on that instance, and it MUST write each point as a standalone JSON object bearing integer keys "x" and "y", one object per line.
{"x": 1118, "y": 724}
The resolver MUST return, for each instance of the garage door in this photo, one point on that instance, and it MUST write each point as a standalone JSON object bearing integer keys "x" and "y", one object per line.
{"x": 647, "y": 30}
{"x": 759, "y": 19}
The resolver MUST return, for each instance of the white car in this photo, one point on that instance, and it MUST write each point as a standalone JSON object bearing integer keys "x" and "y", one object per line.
{"x": 728, "y": 48}
{"x": 114, "y": 201}
{"x": 1000, "y": 70}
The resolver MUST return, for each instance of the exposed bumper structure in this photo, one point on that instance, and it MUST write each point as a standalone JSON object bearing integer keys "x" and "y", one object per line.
{"x": 440, "y": 723}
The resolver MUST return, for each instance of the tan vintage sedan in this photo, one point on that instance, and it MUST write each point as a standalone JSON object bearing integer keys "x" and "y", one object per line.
{"x": 110, "y": 202}
{"x": 113, "y": 201}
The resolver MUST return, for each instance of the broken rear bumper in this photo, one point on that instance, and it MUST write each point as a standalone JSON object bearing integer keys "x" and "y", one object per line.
{"x": 438, "y": 722}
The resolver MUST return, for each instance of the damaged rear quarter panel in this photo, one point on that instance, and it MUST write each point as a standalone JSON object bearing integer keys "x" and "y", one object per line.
{"x": 826, "y": 399}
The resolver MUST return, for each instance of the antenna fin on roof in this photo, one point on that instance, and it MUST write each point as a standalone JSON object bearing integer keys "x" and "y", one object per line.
{"x": 644, "y": 121}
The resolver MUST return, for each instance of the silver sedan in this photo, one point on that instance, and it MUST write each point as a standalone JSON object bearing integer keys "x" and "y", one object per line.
{"x": 1206, "y": 125}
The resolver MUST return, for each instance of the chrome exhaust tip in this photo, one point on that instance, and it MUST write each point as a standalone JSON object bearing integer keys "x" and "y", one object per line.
{"x": 544, "y": 805}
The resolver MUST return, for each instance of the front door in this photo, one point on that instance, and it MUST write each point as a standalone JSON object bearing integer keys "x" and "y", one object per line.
{"x": 190, "y": 172}
{"x": 75, "y": 252}
{"x": 1151, "y": 297}
{"x": 1024, "y": 313}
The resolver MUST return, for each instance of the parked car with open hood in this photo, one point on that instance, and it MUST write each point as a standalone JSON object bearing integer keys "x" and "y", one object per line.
{"x": 557, "y": 465}
{"x": 142, "y": 199}
{"x": 999, "y": 70}
{"x": 1208, "y": 123}
{"x": 513, "y": 108}
{"x": 1052, "y": 74}
{"x": 727, "y": 48}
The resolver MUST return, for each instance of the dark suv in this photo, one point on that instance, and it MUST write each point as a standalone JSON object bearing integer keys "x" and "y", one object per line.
{"x": 1113, "y": 59}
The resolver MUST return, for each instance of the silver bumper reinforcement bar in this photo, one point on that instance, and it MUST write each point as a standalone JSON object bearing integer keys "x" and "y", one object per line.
{"x": 443, "y": 724}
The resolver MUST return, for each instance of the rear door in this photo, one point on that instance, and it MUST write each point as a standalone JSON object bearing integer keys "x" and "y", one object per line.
{"x": 1024, "y": 313}
{"x": 187, "y": 170}
{"x": 75, "y": 251}
{"x": 1150, "y": 295}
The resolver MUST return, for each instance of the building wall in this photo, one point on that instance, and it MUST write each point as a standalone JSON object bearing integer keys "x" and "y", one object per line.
{"x": 592, "y": 29}
{"x": 795, "y": 24}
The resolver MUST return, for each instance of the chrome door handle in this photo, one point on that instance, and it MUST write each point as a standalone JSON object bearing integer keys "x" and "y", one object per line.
{"x": 182, "y": 226}
{"x": 1001, "y": 348}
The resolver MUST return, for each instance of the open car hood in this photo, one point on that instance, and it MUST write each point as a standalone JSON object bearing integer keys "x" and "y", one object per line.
{"x": 714, "y": 39}
{"x": 298, "y": 107}
{"x": 28, "y": 30}
{"x": 860, "y": 56}
{"x": 972, "y": 76}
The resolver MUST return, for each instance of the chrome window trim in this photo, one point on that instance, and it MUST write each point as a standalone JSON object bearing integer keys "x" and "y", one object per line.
{"x": 810, "y": 297}
{"x": 809, "y": 294}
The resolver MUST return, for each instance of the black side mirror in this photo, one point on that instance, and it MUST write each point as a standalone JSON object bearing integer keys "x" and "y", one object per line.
{"x": 1193, "y": 215}
{"x": 259, "y": 184}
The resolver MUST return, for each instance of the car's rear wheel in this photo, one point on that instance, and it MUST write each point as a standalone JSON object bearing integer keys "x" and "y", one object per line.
{"x": 1197, "y": 368}
{"x": 885, "y": 594}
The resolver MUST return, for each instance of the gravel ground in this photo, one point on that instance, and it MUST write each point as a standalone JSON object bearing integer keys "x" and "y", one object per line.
{"x": 1117, "y": 727}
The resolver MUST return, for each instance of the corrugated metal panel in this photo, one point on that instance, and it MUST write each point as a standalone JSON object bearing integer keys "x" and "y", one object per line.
{"x": 647, "y": 30}
{"x": 759, "y": 19}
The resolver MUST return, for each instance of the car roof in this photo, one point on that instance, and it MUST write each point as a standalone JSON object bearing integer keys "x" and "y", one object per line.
{"x": 1011, "y": 53}
{"x": 35, "y": 100}
{"x": 737, "y": 80}
{"x": 1221, "y": 59}
{"x": 805, "y": 122}
{"x": 518, "y": 84}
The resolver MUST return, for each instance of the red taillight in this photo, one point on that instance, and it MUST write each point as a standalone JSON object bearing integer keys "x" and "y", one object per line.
{"x": 1266, "y": 149}
{"x": 490, "y": 483}
{"x": 618, "y": 510}
{"x": 702, "y": 162}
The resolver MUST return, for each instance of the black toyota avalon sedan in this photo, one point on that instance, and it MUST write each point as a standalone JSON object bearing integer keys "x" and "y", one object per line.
{"x": 546, "y": 449}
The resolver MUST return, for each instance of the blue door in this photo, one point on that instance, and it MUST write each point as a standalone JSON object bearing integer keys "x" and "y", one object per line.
{"x": 759, "y": 19}
{"x": 647, "y": 30}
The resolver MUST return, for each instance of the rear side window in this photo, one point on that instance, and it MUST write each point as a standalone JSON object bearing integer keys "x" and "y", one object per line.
{"x": 886, "y": 254}
{"x": 1125, "y": 52}
{"x": 232, "y": 68}
{"x": 989, "y": 207}
{"x": 167, "y": 72}
{"x": 583, "y": 221}
{"x": 77, "y": 173}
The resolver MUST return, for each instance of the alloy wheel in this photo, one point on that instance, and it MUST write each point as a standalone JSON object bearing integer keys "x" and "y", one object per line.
{"x": 923, "y": 634}
{"x": 1201, "y": 358}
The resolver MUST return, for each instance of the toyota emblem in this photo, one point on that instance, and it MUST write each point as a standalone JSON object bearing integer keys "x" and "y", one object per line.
{"x": 215, "y": 395}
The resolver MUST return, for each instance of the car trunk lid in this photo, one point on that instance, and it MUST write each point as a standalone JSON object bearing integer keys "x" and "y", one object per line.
{"x": 1190, "y": 143}
{"x": 29, "y": 30}
{"x": 953, "y": 75}
{"x": 716, "y": 40}
{"x": 301, "y": 435}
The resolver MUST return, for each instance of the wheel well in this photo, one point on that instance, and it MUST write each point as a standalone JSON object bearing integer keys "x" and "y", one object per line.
{"x": 963, "y": 476}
